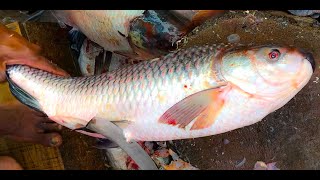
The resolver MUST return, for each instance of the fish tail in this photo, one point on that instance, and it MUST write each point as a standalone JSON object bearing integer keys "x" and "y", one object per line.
{"x": 23, "y": 96}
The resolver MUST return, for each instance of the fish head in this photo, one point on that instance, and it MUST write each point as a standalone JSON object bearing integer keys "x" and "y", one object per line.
{"x": 268, "y": 71}
{"x": 155, "y": 33}
{"x": 158, "y": 32}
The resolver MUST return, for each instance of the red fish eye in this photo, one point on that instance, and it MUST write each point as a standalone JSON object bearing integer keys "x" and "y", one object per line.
{"x": 274, "y": 55}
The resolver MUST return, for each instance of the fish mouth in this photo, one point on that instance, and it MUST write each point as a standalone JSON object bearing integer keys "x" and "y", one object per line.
{"x": 310, "y": 58}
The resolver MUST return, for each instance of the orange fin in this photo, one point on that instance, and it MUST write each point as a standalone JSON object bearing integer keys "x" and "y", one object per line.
{"x": 204, "y": 106}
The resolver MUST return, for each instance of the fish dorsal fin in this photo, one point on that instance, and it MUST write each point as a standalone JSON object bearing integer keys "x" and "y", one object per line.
{"x": 202, "y": 107}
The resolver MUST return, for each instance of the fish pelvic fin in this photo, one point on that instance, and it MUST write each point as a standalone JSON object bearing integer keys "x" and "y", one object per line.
{"x": 23, "y": 96}
{"x": 202, "y": 108}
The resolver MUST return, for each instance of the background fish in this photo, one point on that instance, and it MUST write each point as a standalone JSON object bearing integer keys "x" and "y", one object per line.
{"x": 91, "y": 58}
{"x": 138, "y": 34}
{"x": 130, "y": 38}
{"x": 312, "y": 13}
{"x": 187, "y": 94}
{"x": 108, "y": 28}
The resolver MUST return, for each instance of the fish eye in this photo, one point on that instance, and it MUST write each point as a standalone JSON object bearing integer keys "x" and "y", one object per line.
{"x": 274, "y": 55}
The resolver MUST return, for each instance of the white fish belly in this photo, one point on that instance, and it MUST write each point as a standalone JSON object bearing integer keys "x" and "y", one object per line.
{"x": 230, "y": 117}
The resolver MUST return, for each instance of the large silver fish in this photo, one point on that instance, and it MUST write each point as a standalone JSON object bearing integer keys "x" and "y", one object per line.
{"x": 190, "y": 93}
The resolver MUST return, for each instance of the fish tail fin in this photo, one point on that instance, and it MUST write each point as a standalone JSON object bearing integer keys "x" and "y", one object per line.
{"x": 23, "y": 96}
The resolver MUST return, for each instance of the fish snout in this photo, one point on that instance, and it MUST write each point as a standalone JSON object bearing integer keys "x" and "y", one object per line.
{"x": 310, "y": 58}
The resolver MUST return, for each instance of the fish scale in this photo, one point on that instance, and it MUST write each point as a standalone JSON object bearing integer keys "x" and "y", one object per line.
{"x": 185, "y": 94}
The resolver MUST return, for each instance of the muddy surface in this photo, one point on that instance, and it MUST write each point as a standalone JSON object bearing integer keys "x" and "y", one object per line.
{"x": 291, "y": 135}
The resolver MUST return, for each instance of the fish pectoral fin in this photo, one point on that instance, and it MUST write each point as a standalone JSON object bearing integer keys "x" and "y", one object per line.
{"x": 202, "y": 107}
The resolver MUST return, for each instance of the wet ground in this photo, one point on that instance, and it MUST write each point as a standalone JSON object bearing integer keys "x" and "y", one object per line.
{"x": 291, "y": 135}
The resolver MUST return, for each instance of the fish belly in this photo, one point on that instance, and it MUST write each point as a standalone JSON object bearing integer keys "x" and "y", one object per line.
{"x": 230, "y": 117}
